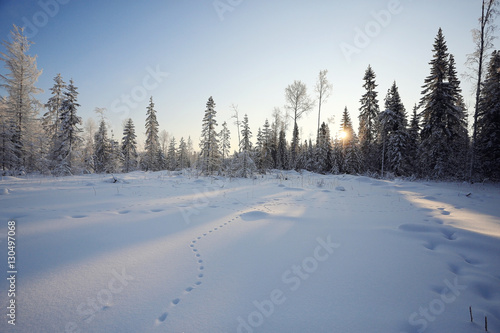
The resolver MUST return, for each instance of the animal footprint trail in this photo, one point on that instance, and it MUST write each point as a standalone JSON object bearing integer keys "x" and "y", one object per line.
{"x": 200, "y": 262}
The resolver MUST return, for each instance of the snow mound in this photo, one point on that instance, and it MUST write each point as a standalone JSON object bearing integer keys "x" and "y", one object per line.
{"x": 254, "y": 216}
{"x": 340, "y": 188}
{"x": 4, "y": 191}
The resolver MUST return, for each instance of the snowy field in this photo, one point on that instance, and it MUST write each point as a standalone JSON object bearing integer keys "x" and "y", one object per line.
{"x": 167, "y": 252}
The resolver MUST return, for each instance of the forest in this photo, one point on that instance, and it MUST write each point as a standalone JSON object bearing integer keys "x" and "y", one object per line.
{"x": 436, "y": 139}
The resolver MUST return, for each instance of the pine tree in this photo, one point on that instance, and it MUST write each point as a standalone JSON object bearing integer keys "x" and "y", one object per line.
{"x": 209, "y": 144}
{"x": 368, "y": 116}
{"x": 152, "y": 146}
{"x": 129, "y": 147}
{"x": 22, "y": 106}
{"x": 488, "y": 131}
{"x": 51, "y": 120}
{"x": 172, "y": 155}
{"x": 69, "y": 139}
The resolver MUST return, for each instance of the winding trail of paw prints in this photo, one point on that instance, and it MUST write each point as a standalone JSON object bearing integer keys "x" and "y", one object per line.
{"x": 199, "y": 259}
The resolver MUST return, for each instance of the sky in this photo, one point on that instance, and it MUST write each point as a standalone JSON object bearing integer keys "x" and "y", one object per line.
{"x": 240, "y": 52}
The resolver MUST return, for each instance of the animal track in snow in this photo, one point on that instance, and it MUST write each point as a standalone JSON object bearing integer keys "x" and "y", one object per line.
{"x": 246, "y": 216}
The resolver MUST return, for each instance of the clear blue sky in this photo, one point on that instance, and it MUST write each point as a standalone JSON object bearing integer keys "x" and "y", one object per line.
{"x": 245, "y": 54}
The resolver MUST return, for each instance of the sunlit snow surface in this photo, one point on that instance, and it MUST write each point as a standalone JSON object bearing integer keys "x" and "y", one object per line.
{"x": 285, "y": 252}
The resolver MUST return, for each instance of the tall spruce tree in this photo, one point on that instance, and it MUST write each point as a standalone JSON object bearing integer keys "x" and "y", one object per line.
{"x": 172, "y": 155}
{"x": 152, "y": 147}
{"x": 414, "y": 140}
{"x": 488, "y": 132}
{"x": 282, "y": 162}
{"x": 225, "y": 141}
{"x": 102, "y": 149}
{"x": 442, "y": 120}
{"x": 246, "y": 164}
{"x": 21, "y": 105}
{"x": 209, "y": 144}
{"x": 368, "y": 116}
{"x": 351, "y": 159}
{"x": 457, "y": 122}
{"x": 129, "y": 147}
{"x": 266, "y": 161}
{"x": 69, "y": 137}
{"x": 182, "y": 155}
{"x": 323, "y": 151}
{"x": 51, "y": 120}
{"x": 394, "y": 136}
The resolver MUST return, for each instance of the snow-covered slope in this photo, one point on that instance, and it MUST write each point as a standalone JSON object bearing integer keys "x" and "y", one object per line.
{"x": 160, "y": 252}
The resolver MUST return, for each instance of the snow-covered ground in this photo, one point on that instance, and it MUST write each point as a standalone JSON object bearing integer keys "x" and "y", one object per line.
{"x": 162, "y": 252}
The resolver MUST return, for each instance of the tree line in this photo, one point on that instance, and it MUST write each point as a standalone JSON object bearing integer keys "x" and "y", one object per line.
{"x": 432, "y": 141}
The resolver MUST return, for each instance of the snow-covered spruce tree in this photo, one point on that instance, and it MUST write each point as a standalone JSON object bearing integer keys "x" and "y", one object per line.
{"x": 337, "y": 156}
{"x": 69, "y": 136}
{"x": 209, "y": 160}
{"x": 394, "y": 137}
{"x": 129, "y": 147}
{"x": 323, "y": 151}
{"x": 457, "y": 121}
{"x": 414, "y": 141}
{"x": 172, "y": 155}
{"x": 115, "y": 156}
{"x": 282, "y": 162}
{"x": 351, "y": 159}
{"x": 368, "y": 115}
{"x": 152, "y": 146}
{"x": 245, "y": 166}
{"x": 298, "y": 103}
{"x": 439, "y": 115}
{"x": 265, "y": 152}
{"x": 225, "y": 143}
{"x": 51, "y": 120}
{"x": 182, "y": 155}
{"x": 22, "y": 107}
{"x": 488, "y": 131}
{"x": 102, "y": 148}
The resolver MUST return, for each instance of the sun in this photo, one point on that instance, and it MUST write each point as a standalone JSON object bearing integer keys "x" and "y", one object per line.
{"x": 343, "y": 134}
